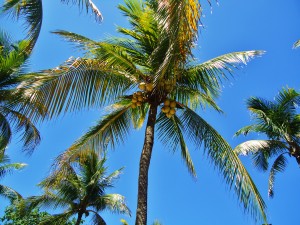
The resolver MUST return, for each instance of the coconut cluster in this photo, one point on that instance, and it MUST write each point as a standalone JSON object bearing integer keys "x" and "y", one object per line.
{"x": 166, "y": 85}
{"x": 169, "y": 108}
{"x": 146, "y": 86}
{"x": 137, "y": 99}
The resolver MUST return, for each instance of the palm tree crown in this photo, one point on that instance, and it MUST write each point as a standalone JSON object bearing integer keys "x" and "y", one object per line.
{"x": 279, "y": 120}
{"x": 80, "y": 189}
{"x": 151, "y": 75}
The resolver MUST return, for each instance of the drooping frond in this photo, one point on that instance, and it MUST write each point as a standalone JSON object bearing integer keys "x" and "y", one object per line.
{"x": 110, "y": 129}
{"x": 32, "y": 11}
{"x": 5, "y": 132}
{"x": 9, "y": 193}
{"x": 97, "y": 220}
{"x": 114, "y": 202}
{"x": 80, "y": 83}
{"x": 225, "y": 161}
{"x": 170, "y": 133}
{"x": 88, "y": 5}
{"x": 278, "y": 166}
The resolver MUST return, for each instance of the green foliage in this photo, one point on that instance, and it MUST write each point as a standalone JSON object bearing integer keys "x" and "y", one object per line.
{"x": 13, "y": 217}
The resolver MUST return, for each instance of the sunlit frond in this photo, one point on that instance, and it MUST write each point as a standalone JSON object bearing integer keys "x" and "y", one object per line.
{"x": 80, "y": 83}
{"x": 114, "y": 202}
{"x": 170, "y": 133}
{"x": 225, "y": 161}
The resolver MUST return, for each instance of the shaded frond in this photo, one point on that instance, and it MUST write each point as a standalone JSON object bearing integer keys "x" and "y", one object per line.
{"x": 170, "y": 133}
{"x": 278, "y": 166}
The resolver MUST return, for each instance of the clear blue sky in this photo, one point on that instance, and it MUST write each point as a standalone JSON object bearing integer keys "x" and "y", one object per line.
{"x": 175, "y": 198}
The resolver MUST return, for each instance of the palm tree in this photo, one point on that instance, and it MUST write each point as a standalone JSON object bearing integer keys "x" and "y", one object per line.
{"x": 80, "y": 189}
{"x": 32, "y": 12}
{"x": 280, "y": 122}
{"x": 17, "y": 111}
{"x": 6, "y": 168}
{"x": 156, "y": 58}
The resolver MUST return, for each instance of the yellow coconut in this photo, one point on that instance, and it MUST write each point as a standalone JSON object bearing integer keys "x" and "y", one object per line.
{"x": 139, "y": 93}
{"x": 140, "y": 98}
{"x": 134, "y": 100}
{"x": 172, "y": 104}
{"x": 134, "y": 95}
{"x": 139, "y": 103}
{"x": 169, "y": 115}
{"x": 172, "y": 111}
{"x": 167, "y": 109}
{"x": 149, "y": 87}
{"x": 142, "y": 86}
{"x": 133, "y": 105}
{"x": 167, "y": 102}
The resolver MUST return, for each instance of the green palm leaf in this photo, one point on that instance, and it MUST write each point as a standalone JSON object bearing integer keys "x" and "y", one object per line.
{"x": 296, "y": 44}
{"x": 170, "y": 133}
{"x": 278, "y": 166}
{"x": 225, "y": 161}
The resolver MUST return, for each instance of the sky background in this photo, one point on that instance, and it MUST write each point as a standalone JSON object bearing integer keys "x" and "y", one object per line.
{"x": 175, "y": 198}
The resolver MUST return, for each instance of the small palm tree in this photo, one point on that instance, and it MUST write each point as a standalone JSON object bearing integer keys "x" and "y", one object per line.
{"x": 17, "y": 111}
{"x": 6, "y": 168}
{"x": 32, "y": 11}
{"x": 150, "y": 76}
{"x": 279, "y": 120}
{"x": 80, "y": 189}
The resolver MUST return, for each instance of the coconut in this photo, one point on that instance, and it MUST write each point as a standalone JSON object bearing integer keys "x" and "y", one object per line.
{"x": 139, "y": 93}
{"x": 149, "y": 87}
{"x": 142, "y": 86}
{"x": 169, "y": 115}
{"x": 172, "y": 104}
{"x": 133, "y": 100}
{"x": 167, "y": 102}
{"x": 139, "y": 103}
{"x": 134, "y": 95}
{"x": 167, "y": 109}
{"x": 140, "y": 98}
{"x": 133, "y": 105}
{"x": 172, "y": 111}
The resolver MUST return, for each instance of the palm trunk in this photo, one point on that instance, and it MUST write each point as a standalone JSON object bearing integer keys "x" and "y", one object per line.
{"x": 79, "y": 218}
{"x": 141, "y": 212}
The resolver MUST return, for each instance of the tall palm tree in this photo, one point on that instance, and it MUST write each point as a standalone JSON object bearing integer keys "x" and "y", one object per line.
{"x": 156, "y": 58}
{"x": 80, "y": 189}
{"x": 17, "y": 111}
{"x": 32, "y": 12}
{"x": 279, "y": 120}
{"x": 6, "y": 168}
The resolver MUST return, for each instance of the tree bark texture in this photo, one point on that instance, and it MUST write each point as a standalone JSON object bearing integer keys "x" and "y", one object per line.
{"x": 141, "y": 212}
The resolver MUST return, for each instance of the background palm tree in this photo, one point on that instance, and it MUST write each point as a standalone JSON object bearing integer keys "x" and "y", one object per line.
{"x": 80, "y": 189}
{"x": 279, "y": 120}
{"x": 156, "y": 58}
{"x": 6, "y": 168}
{"x": 17, "y": 111}
{"x": 32, "y": 12}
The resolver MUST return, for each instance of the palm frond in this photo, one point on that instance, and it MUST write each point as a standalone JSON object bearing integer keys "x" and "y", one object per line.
{"x": 278, "y": 166}
{"x": 98, "y": 220}
{"x": 110, "y": 129}
{"x": 170, "y": 133}
{"x": 57, "y": 219}
{"x": 9, "y": 193}
{"x": 296, "y": 44}
{"x": 225, "y": 161}
{"x": 88, "y": 5}
{"x": 115, "y": 203}
{"x": 5, "y": 132}
{"x": 79, "y": 83}
{"x": 32, "y": 11}
{"x": 209, "y": 76}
